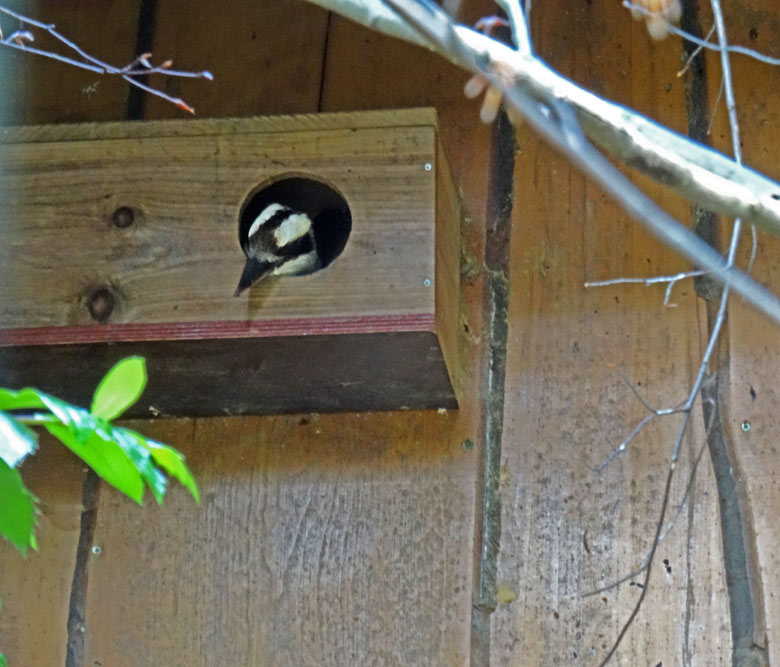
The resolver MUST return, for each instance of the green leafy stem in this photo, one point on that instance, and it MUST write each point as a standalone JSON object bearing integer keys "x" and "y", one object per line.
{"x": 122, "y": 457}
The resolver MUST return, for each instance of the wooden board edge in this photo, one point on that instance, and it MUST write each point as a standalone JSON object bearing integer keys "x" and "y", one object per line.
{"x": 447, "y": 248}
{"x": 384, "y": 118}
{"x": 205, "y": 330}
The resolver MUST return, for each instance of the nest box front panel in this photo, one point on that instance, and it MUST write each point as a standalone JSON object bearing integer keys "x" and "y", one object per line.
{"x": 117, "y": 238}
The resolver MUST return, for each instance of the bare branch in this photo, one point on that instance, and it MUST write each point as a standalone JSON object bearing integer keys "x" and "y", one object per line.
{"x": 671, "y": 280}
{"x": 645, "y": 561}
{"x": 716, "y": 328}
{"x": 705, "y": 43}
{"x": 517, "y": 20}
{"x": 695, "y": 53}
{"x": 691, "y": 169}
{"x": 556, "y": 122}
{"x": 141, "y": 66}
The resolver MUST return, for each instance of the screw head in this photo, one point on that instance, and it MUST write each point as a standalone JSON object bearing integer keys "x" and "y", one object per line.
{"x": 427, "y": 282}
{"x": 123, "y": 217}
{"x": 745, "y": 426}
{"x": 428, "y": 166}
{"x": 96, "y": 550}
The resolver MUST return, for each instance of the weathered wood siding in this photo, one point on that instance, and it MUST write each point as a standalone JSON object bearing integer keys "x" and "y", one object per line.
{"x": 357, "y": 539}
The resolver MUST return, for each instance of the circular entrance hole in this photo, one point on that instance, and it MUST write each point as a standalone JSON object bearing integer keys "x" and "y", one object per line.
{"x": 325, "y": 206}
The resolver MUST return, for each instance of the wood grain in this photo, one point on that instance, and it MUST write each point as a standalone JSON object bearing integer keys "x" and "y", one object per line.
{"x": 447, "y": 263}
{"x": 39, "y": 90}
{"x": 342, "y": 538}
{"x": 169, "y": 275}
{"x": 180, "y": 260}
{"x": 266, "y": 58}
{"x": 566, "y": 530}
{"x": 753, "y": 359}
{"x": 319, "y": 540}
{"x": 36, "y": 591}
{"x": 371, "y": 371}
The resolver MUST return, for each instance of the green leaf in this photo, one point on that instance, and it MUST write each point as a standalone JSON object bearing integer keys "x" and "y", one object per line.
{"x": 106, "y": 458}
{"x": 80, "y": 422}
{"x": 170, "y": 460}
{"x": 17, "y": 518}
{"x": 142, "y": 460}
{"x": 24, "y": 399}
{"x": 120, "y": 388}
{"x": 3, "y": 662}
{"x": 16, "y": 440}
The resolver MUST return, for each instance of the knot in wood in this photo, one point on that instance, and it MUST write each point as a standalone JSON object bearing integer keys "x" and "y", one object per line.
{"x": 123, "y": 217}
{"x": 101, "y": 304}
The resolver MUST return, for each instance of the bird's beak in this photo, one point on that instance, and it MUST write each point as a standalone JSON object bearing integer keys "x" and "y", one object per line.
{"x": 253, "y": 271}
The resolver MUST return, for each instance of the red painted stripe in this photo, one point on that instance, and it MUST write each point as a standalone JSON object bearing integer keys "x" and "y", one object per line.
{"x": 207, "y": 330}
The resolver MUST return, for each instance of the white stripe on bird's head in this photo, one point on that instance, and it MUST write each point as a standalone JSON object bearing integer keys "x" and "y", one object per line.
{"x": 294, "y": 227}
{"x": 300, "y": 265}
{"x": 265, "y": 216}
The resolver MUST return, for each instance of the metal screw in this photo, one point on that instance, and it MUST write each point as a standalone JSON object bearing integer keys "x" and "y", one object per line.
{"x": 96, "y": 549}
{"x": 428, "y": 166}
{"x": 745, "y": 426}
{"x": 123, "y": 217}
{"x": 427, "y": 282}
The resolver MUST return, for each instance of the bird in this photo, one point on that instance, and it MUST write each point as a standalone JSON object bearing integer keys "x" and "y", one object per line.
{"x": 284, "y": 242}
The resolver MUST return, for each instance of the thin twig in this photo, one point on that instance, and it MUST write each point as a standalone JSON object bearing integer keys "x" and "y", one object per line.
{"x": 623, "y": 445}
{"x": 679, "y": 508}
{"x": 672, "y": 280}
{"x": 637, "y": 393}
{"x": 645, "y": 281}
{"x": 141, "y": 66}
{"x": 519, "y": 25}
{"x": 716, "y": 329}
{"x": 695, "y": 53}
{"x": 663, "y": 412}
{"x": 743, "y": 50}
{"x": 715, "y": 108}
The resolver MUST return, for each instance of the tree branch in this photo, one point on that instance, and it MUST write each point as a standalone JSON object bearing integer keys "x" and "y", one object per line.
{"x": 697, "y": 172}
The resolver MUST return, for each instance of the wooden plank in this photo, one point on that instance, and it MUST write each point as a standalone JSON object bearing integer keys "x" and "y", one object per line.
{"x": 390, "y": 73}
{"x": 266, "y": 58}
{"x": 304, "y": 525}
{"x": 753, "y": 359}
{"x": 39, "y": 90}
{"x": 180, "y": 261}
{"x": 751, "y": 424}
{"x": 349, "y": 535}
{"x": 447, "y": 284}
{"x": 36, "y": 591}
{"x": 565, "y": 530}
{"x": 398, "y": 370}
{"x": 355, "y": 120}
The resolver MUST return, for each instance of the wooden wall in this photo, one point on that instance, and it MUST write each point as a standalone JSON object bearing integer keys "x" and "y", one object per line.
{"x": 358, "y": 539}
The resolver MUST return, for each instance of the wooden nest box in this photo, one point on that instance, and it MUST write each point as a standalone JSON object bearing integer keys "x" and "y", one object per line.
{"x": 123, "y": 238}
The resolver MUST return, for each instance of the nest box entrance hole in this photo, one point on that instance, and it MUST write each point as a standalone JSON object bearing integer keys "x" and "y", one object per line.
{"x": 324, "y": 204}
